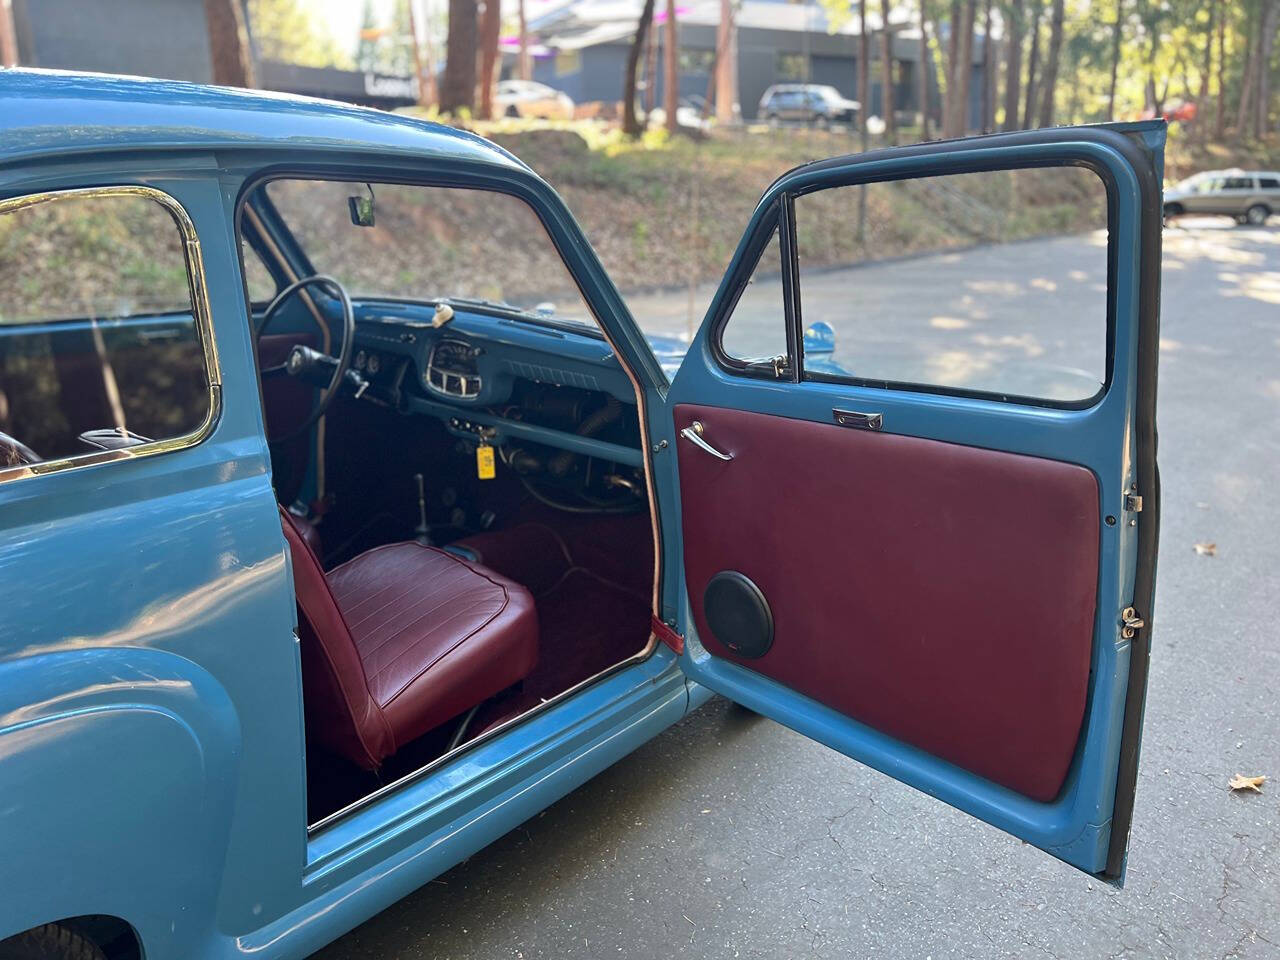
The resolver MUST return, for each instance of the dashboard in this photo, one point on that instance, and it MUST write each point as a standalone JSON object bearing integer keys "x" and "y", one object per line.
{"x": 493, "y": 377}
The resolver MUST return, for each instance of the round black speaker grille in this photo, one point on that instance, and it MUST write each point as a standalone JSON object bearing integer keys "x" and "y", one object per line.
{"x": 738, "y": 614}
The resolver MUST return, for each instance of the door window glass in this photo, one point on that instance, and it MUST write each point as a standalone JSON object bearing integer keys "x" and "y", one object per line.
{"x": 99, "y": 342}
{"x": 1269, "y": 183}
{"x": 991, "y": 282}
{"x": 1239, "y": 183}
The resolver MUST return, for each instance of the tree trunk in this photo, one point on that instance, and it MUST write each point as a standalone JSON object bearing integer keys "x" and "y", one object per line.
{"x": 650, "y": 73}
{"x": 965, "y": 67}
{"x": 726, "y": 65}
{"x": 490, "y": 38}
{"x": 1266, "y": 43}
{"x": 864, "y": 74}
{"x": 864, "y": 108}
{"x": 228, "y": 43}
{"x": 1050, "y": 84}
{"x": 988, "y": 74}
{"x": 886, "y": 77}
{"x": 671, "y": 69}
{"x": 525, "y": 63}
{"x": 1206, "y": 73}
{"x": 953, "y": 73}
{"x": 1033, "y": 64}
{"x": 630, "y": 122}
{"x": 1013, "y": 63}
{"x": 1117, "y": 33}
{"x": 1220, "y": 114}
{"x": 458, "y": 87}
{"x": 922, "y": 74}
{"x": 1243, "y": 114}
{"x": 419, "y": 71}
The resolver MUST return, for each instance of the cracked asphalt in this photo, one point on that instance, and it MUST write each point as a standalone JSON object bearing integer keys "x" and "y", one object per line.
{"x": 730, "y": 836}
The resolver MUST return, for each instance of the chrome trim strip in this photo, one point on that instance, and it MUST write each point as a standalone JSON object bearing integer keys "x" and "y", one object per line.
{"x": 201, "y": 312}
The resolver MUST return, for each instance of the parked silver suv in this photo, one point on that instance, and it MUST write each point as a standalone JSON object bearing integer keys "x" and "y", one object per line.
{"x": 1249, "y": 196}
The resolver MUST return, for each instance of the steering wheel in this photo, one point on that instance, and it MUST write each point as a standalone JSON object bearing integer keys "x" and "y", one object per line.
{"x": 311, "y": 365}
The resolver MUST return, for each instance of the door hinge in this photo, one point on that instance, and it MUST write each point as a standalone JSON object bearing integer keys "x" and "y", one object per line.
{"x": 1133, "y": 503}
{"x": 1130, "y": 623}
{"x": 667, "y": 634}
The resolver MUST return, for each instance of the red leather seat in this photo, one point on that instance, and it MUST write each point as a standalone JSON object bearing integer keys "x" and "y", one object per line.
{"x": 401, "y": 639}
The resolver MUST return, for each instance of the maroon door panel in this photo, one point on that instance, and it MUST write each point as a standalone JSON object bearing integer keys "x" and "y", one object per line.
{"x": 942, "y": 594}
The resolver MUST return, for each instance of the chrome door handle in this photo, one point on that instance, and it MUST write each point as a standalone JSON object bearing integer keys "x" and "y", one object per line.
{"x": 693, "y": 433}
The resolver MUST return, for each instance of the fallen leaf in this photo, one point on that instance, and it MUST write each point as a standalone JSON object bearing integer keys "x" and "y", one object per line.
{"x": 1240, "y": 782}
{"x": 1207, "y": 549}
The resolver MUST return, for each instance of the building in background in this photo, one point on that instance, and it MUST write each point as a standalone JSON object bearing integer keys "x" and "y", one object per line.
{"x": 168, "y": 39}
{"x": 586, "y": 45}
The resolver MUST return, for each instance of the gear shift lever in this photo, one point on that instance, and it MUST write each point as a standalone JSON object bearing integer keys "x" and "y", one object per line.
{"x": 422, "y": 533}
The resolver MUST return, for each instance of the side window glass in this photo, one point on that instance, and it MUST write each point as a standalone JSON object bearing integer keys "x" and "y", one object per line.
{"x": 262, "y": 286}
{"x": 100, "y": 345}
{"x": 757, "y": 328}
{"x": 988, "y": 283}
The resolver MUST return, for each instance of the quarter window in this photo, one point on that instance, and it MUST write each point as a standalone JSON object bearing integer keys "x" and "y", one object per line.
{"x": 756, "y": 330}
{"x": 101, "y": 345}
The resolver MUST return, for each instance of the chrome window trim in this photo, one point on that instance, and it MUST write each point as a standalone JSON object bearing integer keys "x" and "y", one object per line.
{"x": 201, "y": 314}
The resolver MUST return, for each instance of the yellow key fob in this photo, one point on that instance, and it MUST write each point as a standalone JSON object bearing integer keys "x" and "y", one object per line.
{"x": 484, "y": 462}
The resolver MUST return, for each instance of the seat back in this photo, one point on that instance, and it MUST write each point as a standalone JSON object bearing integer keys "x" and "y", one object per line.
{"x": 341, "y": 714}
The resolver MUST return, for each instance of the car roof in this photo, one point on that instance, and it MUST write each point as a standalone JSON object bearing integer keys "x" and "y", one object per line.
{"x": 47, "y": 112}
{"x": 1236, "y": 172}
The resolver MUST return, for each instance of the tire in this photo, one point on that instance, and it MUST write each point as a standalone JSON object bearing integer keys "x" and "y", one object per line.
{"x": 50, "y": 942}
{"x": 1256, "y": 215}
{"x": 512, "y": 112}
{"x": 1174, "y": 210}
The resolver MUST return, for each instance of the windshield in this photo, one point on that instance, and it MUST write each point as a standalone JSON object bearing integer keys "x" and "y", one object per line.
{"x": 431, "y": 243}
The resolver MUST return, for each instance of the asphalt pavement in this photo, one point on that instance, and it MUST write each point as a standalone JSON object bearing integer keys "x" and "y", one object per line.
{"x": 730, "y": 836}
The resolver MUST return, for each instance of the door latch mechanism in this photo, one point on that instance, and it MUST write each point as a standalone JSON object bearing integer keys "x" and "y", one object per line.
{"x": 1130, "y": 623}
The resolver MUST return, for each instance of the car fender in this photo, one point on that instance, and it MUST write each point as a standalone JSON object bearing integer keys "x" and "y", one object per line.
{"x": 118, "y": 771}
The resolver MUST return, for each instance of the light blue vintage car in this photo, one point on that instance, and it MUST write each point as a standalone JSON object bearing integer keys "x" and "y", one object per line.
{"x": 348, "y": 519}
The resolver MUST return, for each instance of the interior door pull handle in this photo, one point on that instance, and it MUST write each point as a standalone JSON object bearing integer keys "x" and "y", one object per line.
{"x": 693, "y": 433}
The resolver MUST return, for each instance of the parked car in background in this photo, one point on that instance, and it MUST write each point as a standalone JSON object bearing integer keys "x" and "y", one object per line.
{"x": 807, "y": 103}
{"x": 525, "y": 98}
{"x": 1249, "y": 196}
{"x": 690, "y": 114}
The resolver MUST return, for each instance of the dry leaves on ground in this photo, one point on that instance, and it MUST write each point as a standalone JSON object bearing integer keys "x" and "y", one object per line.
{"x": 1207, "y": 549}
{"x": 1241, "y": 782}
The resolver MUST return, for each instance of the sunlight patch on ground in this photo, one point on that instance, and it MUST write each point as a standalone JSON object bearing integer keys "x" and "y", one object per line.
{"x": 1004, "y": 287}
{"x": 956, "y": 367}
{"x": 948, "y": 323}
{"x": 1044, "y": 283}
{"x": 1264, "y": 287}
{"x": 1025, "y": 342}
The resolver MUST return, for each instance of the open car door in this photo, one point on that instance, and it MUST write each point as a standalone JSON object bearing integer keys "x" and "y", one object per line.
{"x": 922, "y": 528}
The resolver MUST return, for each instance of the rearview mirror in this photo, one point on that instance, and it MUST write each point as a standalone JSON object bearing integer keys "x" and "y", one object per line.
{"x": 361, "y": 210}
